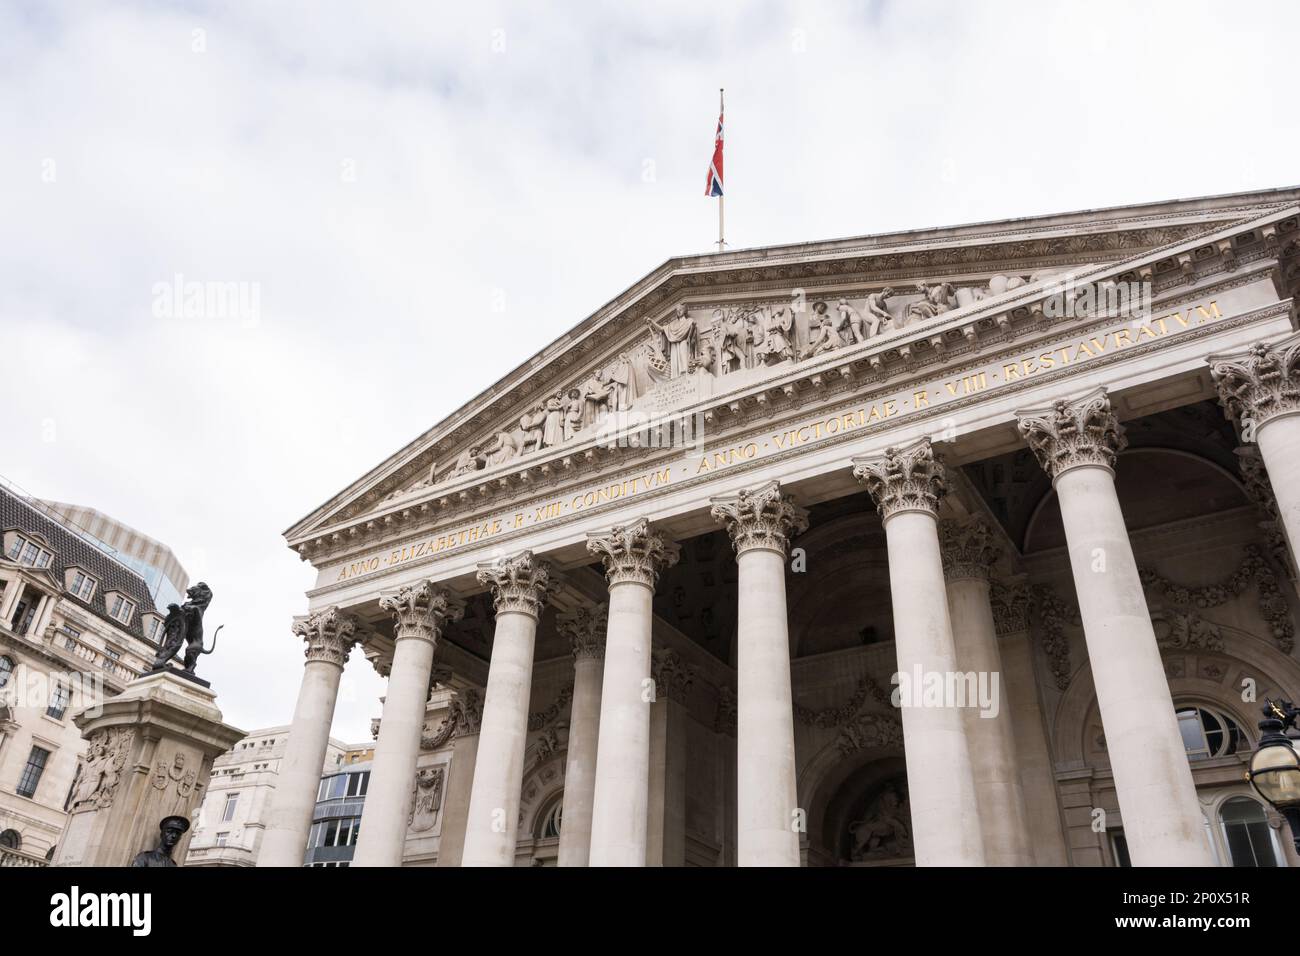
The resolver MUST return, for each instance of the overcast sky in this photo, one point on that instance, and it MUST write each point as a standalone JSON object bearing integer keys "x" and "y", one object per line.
{"x": 422, "y": 195}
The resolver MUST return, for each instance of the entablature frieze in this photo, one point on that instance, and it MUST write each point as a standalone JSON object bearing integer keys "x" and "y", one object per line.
{"x": 821, "y": 268}
{"x": 598, "y": 475}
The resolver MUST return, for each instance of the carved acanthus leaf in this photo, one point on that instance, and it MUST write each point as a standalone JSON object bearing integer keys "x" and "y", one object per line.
{"x": 1071, "y": 433}
{"x": 1259, "y": 383}
{"x": 904, "y": 479}
{"x": 521, "y": 584}
{"x": 329, "y": 635}
{"x": 968, "y": 548}
{"x": 760, "y": 518}
{"x": 633, "y": 553}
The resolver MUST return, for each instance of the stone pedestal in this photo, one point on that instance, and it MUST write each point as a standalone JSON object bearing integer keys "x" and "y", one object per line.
{"x": 149, "y": 756}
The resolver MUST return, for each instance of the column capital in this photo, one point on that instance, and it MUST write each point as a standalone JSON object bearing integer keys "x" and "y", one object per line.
{"x": 672, "y": 675}
{"x": 521, "y": 584}
{"x": 967, "y": 548}
{"x": 1260, "y": 383}
{"x": 907, "y": 478}
{"x": 585, "y": 631}
{"x": 1072, "y": 433}
{"x": 633, "y": 553}
{"x": 760, "y": 518}
{"x": 1010, "y": 601}
{"x": 330, "y": 635}
{"x": 420, "y": 611}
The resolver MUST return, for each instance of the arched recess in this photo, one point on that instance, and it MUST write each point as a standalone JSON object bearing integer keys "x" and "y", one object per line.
{"x": 1193, "y": 673}
{"x": 543, "y": 785}
{"x": 1143, "y": 479}
{"x": 832, "y": 784}
{"x": 842, "y": 599}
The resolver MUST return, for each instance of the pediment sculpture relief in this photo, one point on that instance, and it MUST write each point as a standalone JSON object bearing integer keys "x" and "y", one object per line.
{"x": 695, "y": 352}
{"x": 885, "y": 830}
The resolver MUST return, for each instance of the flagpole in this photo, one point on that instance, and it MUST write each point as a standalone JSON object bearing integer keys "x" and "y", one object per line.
{"x": 721, "y": 112}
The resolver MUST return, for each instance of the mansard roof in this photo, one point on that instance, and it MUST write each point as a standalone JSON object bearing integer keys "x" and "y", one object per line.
{"x": 1022, "y": 245}
{"x": 72, "y": 550}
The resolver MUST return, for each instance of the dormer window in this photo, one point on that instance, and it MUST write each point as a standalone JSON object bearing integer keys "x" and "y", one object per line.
{"x": 152, "y": 625}
{"x": 28, "y": 552}
{"x": 120, "y": 608}
{"x": 82, "y": 585}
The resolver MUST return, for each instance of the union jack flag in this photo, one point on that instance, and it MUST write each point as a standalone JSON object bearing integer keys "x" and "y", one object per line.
{"x": 714, "y": 186}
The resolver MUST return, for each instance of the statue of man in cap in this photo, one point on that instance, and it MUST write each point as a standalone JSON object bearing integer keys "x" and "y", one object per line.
{"x": 170, "y": 832}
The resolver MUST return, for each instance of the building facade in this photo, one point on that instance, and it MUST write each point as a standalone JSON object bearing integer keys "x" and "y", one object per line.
{"x": 76, "y": 625}
{"x": 964, "y": 546}
{"x": 232, "y": 817}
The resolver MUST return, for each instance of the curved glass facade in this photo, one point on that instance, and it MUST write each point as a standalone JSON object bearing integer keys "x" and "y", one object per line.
{"x": 336, "y": 819}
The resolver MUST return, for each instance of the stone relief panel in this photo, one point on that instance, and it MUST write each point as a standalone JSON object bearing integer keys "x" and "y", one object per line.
{"x": 101, "y": 769}
{"x": 427, "y": 799}
{"x": 698, "y": 351}
{"x": 884, "y": 830}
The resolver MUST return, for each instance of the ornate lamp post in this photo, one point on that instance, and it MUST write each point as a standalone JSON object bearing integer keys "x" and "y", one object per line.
{"x": 1275, "y": 766}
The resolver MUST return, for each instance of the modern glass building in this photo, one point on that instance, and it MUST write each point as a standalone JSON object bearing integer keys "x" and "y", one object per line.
{"x": 336, "y": 819}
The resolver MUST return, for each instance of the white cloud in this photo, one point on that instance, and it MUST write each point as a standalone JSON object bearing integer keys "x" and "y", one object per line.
{"x": 478, "y": 169}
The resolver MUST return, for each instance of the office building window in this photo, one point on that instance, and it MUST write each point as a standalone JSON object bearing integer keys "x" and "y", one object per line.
{"x": 232, "y": 801}
{"x": 83, "y": 586}
{"x": 59, "y": 700}
{"x": 31, "y": 777}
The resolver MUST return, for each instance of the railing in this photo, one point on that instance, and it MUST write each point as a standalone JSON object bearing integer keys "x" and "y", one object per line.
{"x": 10, "y": 857}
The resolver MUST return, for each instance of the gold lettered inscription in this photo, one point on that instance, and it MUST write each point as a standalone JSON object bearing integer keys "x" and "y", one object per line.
{"x": 925, "y": 397}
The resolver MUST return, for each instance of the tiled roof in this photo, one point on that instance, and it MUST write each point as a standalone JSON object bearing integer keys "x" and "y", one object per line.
{"x": 71, "y": 549}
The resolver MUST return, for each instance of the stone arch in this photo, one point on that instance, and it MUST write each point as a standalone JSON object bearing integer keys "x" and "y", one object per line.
{"x": 1190, "y": 673}
{"x": 828, "y": 782}
{"x": 847, "y": 569}
{"x": 1208, "y": 472}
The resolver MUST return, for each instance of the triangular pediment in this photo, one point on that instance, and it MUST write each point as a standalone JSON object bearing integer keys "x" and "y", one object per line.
{"x": 704, "y": 325}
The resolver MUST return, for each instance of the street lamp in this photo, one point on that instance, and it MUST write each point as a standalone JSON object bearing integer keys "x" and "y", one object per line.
{"x": 1275, "y": 766}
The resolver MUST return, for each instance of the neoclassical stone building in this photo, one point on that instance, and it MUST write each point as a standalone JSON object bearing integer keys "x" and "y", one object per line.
{"x": 963, "y": 546}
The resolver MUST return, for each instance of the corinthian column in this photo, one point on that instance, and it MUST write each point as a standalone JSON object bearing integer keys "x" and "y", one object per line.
{"x": 906, "y": 484}
{"x": 1260, "y": 390}
{"x": 419, "y": 614}
{"x": 1010, "y": 602}
{"x": 464, "y": 720}
{"x": 968, "y": 554}
{"x": 1076, "y": 443}
{"x": 633, "y": 556}
{"x": 585, "y": 630}
{"x": 329, "y": 635}
{"x": 761, "y": 523}
{"x": 520, "y": 588}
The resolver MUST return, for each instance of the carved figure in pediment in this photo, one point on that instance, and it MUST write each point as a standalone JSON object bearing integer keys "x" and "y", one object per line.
{"x": 624, "y": 379}
{"x": 596, "y": 393}
{"x": 471, "y": 459}
{"x": 731, "y": 334}
{"x": 677, "y": 337}
{"x": 878, "y": 316}
{"x": 553, "y": 430}
{"x": 777, "y": 346}
{"x": 572, "y": 413}
{"x": 822, "y": 334}
{"x": 706, "y": 354}
{"x": 501, "y": 449}
{"x": 532, "y": 423}
{"x": 935, "y": 299}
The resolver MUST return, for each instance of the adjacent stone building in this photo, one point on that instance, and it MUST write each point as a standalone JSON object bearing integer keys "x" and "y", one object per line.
{"x": 971, "y": 546}
{"x": 76, "y": 625}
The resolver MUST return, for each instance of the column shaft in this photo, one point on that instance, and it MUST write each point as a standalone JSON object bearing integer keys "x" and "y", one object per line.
{"x": 618, "y": 822}
{"x": 499, "y": 765}
{"x": 1038, "y": 782}
{"x": 940, "y": 778}
{"x": 1153, "y": 782}
{"x": 289, "y": 820}
{"x": 580, "y": 764}
{"x": 767, "y": 833}
{"x": 1279, "y": 445}
{"x": 460, "y": 786}
{"x": 392, "y": 774}
{"x": 989, "y": 735}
